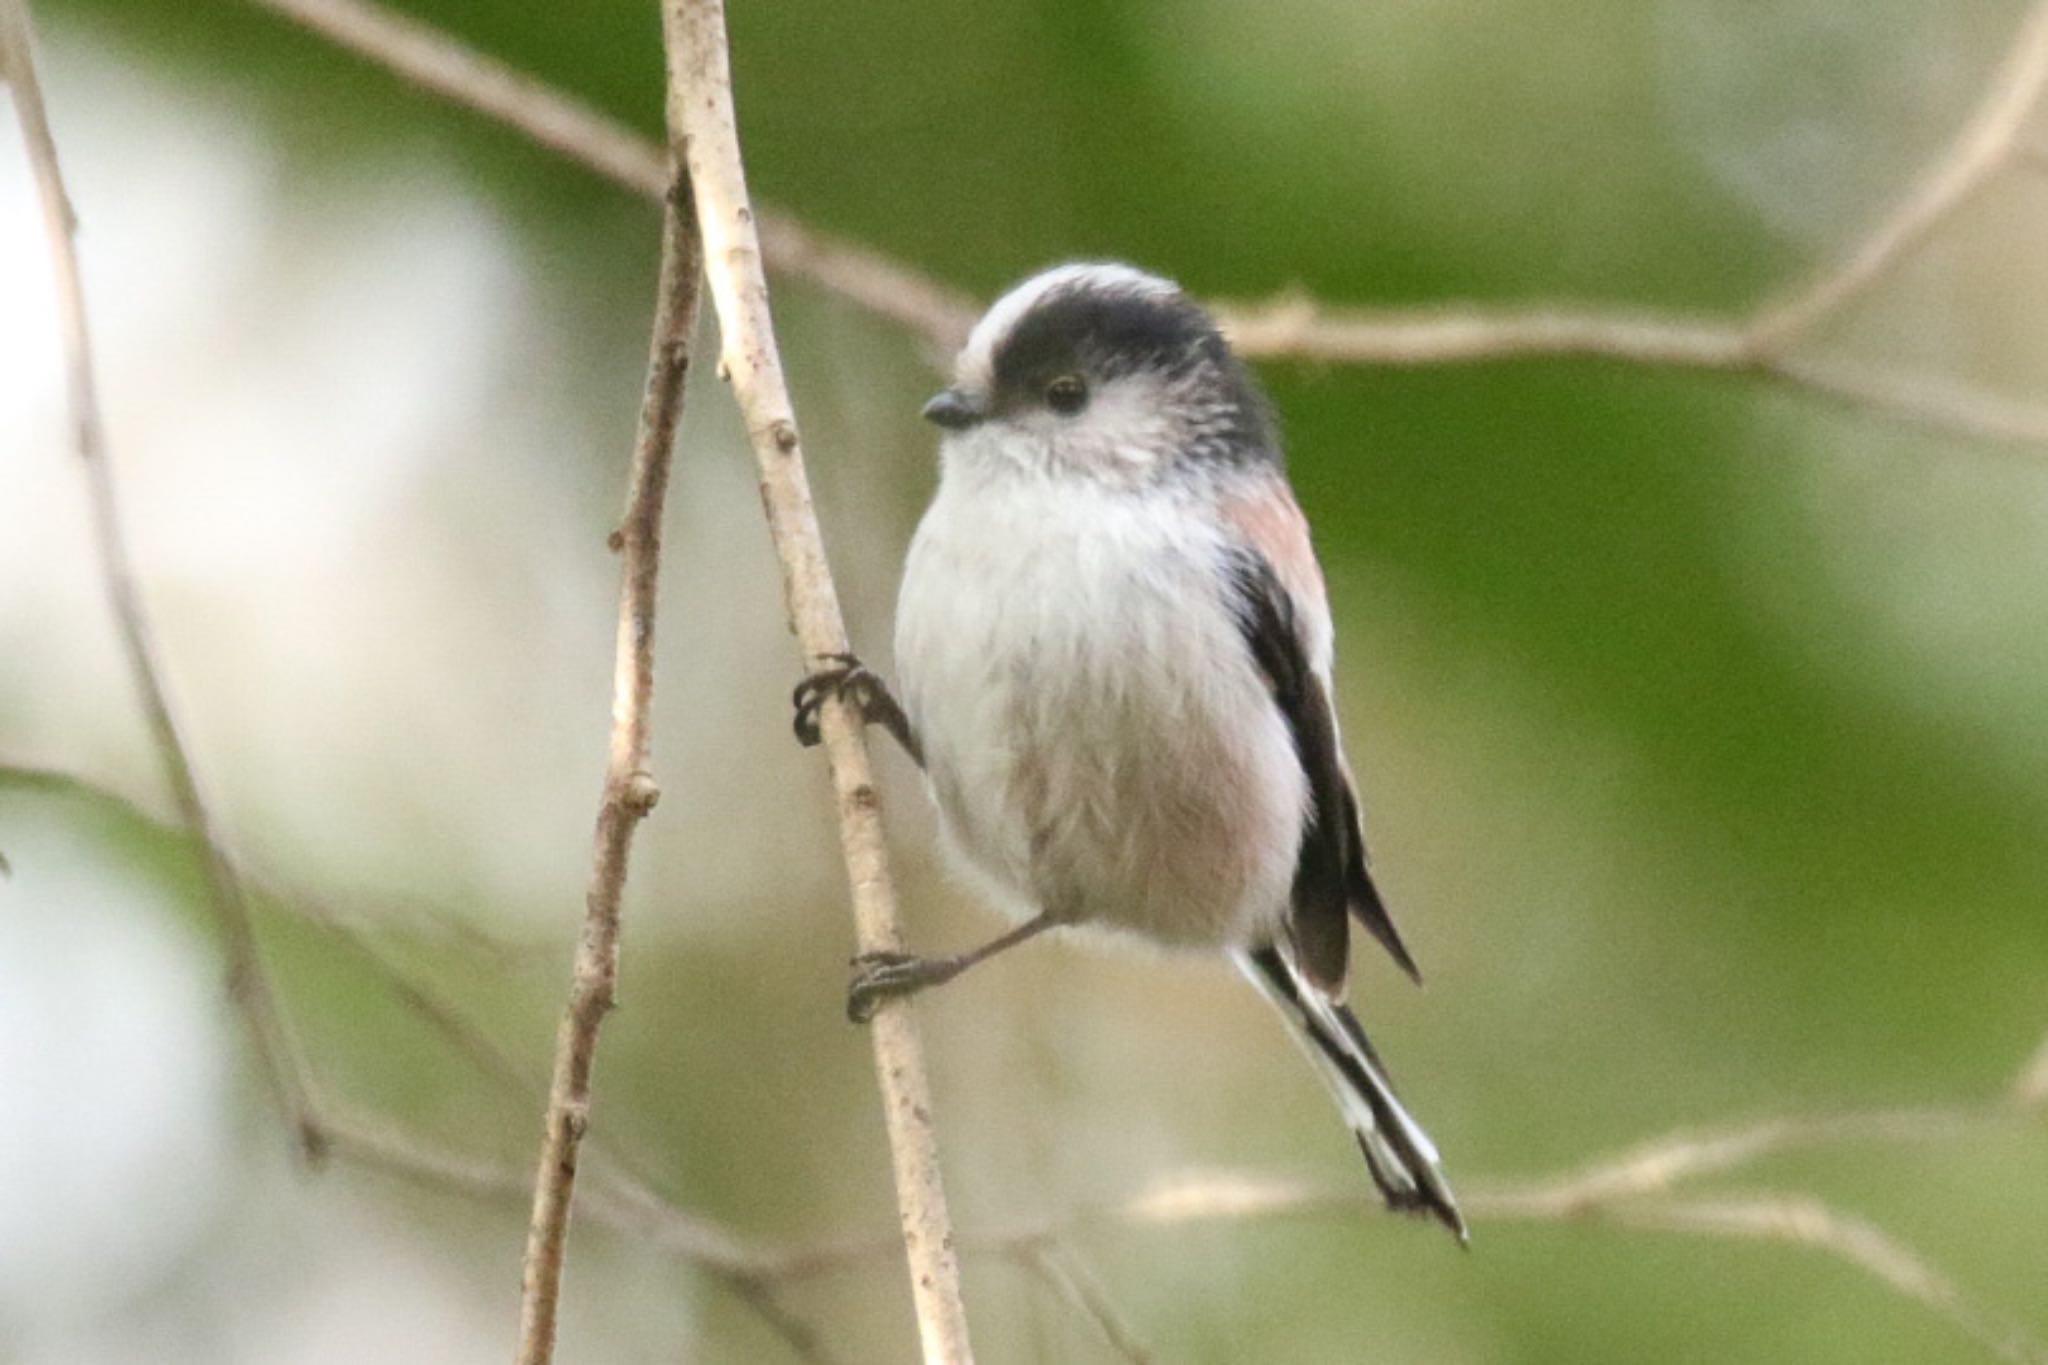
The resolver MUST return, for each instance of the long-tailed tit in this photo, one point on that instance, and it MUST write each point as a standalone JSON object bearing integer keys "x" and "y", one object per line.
{"x": 1115, "y": 659}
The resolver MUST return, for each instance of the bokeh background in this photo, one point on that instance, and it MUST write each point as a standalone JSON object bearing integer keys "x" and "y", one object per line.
{"x": 1701, "y": 723}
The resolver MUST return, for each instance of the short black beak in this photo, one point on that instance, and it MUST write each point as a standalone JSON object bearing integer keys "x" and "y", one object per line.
{"x": 953, "y": 410}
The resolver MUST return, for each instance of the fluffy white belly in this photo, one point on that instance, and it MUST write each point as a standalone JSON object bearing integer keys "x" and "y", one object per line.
{"x": 1099, "y": 741}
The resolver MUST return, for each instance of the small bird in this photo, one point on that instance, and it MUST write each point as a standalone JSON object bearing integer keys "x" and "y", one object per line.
{"x": 1115, "y": 654}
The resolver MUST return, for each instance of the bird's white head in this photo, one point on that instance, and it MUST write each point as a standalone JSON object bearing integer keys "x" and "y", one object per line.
{"x": 1102, "y": 371}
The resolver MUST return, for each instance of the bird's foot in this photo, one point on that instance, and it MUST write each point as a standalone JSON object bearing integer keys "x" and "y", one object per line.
{"x": 844, "y": 677}
{"x": 880, "y": 976}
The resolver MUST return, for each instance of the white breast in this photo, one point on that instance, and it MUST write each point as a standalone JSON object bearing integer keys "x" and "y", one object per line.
{"x": 1100, "y": 743}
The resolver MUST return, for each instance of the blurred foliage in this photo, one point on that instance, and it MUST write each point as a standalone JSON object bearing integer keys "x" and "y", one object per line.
{"x": 1689, "y": 819}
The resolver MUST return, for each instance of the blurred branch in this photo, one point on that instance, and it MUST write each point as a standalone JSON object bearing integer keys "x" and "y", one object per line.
{"x": 1809, "y": 1222}
{"x": 620, "y": 1200}
{"x": 443, "y": 65}
{"x": 624, "y": 1210}
{"x": 248, "y": 985}
{"x": 629, "y": 791}
{"x": 723, "y": 1255}
{"x": 1293, "y": 327}
{"x": 1659, "y": 1165}
{"x": 1057, "y": 1272}
{"x": 1986, "y": 145}
{"x": 461, "y": 1036}
{"x": 1631, "y": 1189}
{"x": 1766, "y": 344}
{"x": 702, "y": 124}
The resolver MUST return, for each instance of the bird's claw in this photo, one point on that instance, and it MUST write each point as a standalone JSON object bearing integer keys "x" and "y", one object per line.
{"x": 878, "y": 976}
{"x": 845, "y": 677}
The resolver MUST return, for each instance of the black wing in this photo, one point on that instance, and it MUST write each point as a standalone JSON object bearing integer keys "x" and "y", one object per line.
{"x": 1330, "y": 876}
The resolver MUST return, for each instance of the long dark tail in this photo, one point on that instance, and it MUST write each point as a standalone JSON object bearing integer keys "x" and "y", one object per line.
{"x": 1403, "y": 1161}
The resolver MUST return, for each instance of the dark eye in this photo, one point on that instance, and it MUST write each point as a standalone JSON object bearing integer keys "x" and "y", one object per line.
{"x": 1066, "y": 394}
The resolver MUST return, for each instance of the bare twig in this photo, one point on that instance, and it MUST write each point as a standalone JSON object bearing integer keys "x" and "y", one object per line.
{"x": 1629, "y": 1190}
{"x": 423, "y": 55}
{"x": 248, "y": 985}
{"x": 1764, "y": 345}
{"x": 1297, "y": 327}
{"x": 1291, "y": 327}
{"x": 612, "y": 1196}
{"x": 463, "y": 1037}
{"x": 629, "y": 791}
{"x": 1921, "y": 400}
{"x": 727, "y": 1258}
{"x": 439, "y": 63}
{"x": 701, "y": 114}
{"x": 1987, "y": 143}
{"x": 1659, "y": 1165}
{"x": 799, "y": 1336}
{"x": 1810, "y": 1222}
{"x": 1633, "y": 1188}
{"x": 1059, "y": 1273}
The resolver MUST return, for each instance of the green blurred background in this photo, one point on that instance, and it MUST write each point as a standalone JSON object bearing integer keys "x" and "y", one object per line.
{"x": 1701, "y": 722}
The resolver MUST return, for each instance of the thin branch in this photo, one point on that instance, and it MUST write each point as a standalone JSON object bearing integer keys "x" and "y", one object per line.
{"x": 629, "y": 791}
{"x": 439, "y": 63}
{"x": 1087, "y": 1298}
{"x": 613, "y": 1196}
{"x": 249, "y": 987}
{"x": 407, "y": 988}
{"x": 1987, "y": 143}
{"x": 1810, "y": 1222}
{"x": 729, "y": 1259}
{"x": 423, "y": 55}
{"x": 378, "y": 1148}
{"x": 701, "y": 116}
{"x": 1924, "y": 401}
{"x": 463, "y": 1037}
{"x": 799, "y": 1336}
{"x": 375, "y": 1146}
{"x": 1296, "y": 327}
{"x": 1291, "y": 327}
{"x": 1659, "y": 1165}
{"x": 1630, "y": 1189}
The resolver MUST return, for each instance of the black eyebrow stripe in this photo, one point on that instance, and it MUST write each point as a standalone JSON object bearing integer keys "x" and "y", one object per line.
{"x": 1121, "y": 328}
